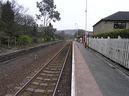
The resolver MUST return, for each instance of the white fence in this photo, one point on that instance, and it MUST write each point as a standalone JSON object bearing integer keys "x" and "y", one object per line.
{"x": 115, "y": 49}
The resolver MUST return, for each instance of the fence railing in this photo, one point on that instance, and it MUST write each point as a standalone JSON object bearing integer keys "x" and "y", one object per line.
{"x": 115, "y": 49}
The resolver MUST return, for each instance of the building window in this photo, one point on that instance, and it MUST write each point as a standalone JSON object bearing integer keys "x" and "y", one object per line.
{"x": 119, "y": 25}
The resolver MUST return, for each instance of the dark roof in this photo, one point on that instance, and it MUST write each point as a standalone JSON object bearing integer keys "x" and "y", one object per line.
{"x": 118, "y": 16}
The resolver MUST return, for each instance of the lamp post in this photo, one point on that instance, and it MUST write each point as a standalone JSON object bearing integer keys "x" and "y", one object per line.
{"x": 86, "y": 16}
{"x": 76, "y": 27}
{"x": 86, "y": 34}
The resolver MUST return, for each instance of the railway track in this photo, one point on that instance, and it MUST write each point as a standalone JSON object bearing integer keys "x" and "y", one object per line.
{"x": 46, "y": 80}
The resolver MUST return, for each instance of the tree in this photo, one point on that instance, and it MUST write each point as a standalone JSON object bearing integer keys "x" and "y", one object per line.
{"x": 24, "y": 40}
{"x": 79, "y": 34}
{"x": 62, "y": 34}
{"x": 47, "y": 12}
{"x": 7, "y": 16}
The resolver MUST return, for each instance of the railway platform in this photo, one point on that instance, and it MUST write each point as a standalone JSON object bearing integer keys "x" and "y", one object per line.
{"x": 95, "y": 75}
{"x": 84, "y": 82}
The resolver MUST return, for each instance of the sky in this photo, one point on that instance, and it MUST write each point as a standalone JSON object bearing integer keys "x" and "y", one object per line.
{"x": 73, "y": 11}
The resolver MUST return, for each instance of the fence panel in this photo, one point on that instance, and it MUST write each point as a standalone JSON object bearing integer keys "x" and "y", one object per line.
{"x": 115, "y": 49}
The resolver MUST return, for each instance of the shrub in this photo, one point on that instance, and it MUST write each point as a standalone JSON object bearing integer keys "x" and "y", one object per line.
{"x": 24, "y": 40}
{"x": 114, "y": 34}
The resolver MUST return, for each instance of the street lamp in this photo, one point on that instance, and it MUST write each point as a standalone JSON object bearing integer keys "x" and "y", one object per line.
{"x": 86, "y": 34}
{"x": 76, "y": 27}
{"x": 86, "y": 16}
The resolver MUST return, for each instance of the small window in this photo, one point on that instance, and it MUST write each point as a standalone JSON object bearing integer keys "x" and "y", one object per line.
{"x": 119, "y": 25}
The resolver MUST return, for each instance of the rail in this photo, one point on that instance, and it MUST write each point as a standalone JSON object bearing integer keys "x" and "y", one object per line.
{"x": 48, "y": 65}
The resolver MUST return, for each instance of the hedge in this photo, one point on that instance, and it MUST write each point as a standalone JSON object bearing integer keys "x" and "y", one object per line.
{"x": 114, "y": 34}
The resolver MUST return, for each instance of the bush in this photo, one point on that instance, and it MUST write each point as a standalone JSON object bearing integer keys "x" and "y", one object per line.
{"x": 24, "y": 40}
{"x": 114, "y": 34}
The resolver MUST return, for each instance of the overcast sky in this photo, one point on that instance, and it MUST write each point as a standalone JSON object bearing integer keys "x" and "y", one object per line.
{"x": 73, "y": 11}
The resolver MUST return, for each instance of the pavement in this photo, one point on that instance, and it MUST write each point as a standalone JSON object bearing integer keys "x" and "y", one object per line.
{"x": 85, "y": 84}
{"x": 94, "y": 76}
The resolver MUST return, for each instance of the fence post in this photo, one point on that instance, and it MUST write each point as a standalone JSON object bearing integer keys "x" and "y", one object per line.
{"x": 108, "y": 37}
{"x": 115, "y": 49}
{"x": 119, "y": 37}
{"x": 8, "y": 42}
{"x": 0, "y": 43}
{"x": 15, "y": 41}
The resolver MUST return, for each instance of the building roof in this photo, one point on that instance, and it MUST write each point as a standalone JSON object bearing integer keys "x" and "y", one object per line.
{"x": 118, "y": 16}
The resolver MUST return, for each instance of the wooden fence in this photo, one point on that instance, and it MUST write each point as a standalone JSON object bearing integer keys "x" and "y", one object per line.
{"x": 115, "y": 49}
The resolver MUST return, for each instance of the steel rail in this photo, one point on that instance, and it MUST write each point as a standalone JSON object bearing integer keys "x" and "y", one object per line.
{"x": 27, "y": 84}
{"x": 61, "y": 71}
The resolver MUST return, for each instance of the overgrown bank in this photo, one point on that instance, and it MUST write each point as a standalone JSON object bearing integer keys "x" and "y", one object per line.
{"x": 18, "y": 29}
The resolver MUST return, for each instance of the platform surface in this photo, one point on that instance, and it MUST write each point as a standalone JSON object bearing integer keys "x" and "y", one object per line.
{"x": 94, "y": 75}
{"x": 85, "y": 84}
